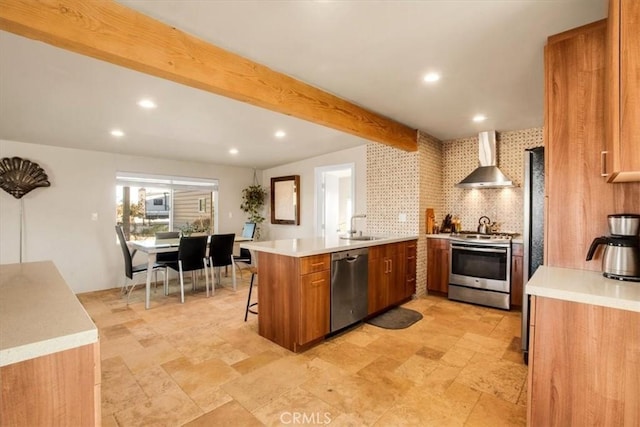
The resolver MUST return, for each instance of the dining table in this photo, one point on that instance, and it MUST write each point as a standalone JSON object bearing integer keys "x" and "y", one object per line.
{"x": 151, "y": 247}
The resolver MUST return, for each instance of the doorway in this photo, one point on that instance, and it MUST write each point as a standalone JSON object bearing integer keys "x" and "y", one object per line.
{"x": 335, "y": 199}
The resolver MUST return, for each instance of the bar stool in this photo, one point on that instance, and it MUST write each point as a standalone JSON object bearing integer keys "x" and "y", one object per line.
{"x": 254, "y": 272}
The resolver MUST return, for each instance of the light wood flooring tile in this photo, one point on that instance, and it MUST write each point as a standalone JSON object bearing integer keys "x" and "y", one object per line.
{"x": 199, "y": 363}
{"x": 491, "y": 411}
{"x": 346, "y": 355}
{"x": 229, "y": 414}
{"x": 501, "y": 378}
{"x": 394, "y": 347}
{"x": 297, "y": 405}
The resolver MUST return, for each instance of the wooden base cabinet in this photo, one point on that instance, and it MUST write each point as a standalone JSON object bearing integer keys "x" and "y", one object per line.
{"x": 438, "y": 265}
{"x": 294, "y": 299}
{"x": 392, "y": 274}
{"x": 584, "y": 365}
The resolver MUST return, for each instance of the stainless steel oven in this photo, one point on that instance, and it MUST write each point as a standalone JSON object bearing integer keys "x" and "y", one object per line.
{"x": 480, "y": 270}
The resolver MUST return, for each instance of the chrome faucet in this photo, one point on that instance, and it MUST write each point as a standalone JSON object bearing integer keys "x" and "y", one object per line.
{"x": 353, "y": 227}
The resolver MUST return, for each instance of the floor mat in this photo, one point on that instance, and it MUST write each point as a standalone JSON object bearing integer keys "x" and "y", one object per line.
{"x": 396, "y": 318}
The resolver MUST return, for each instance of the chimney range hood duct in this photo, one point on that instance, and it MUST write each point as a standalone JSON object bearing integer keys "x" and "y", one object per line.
{"x": 487, "y": 175}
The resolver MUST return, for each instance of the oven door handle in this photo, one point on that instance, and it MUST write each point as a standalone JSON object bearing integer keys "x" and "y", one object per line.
{"x": 477, "y": 249}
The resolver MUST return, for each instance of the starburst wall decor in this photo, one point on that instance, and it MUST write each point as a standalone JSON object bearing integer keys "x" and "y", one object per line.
{"x": 19, "y": 176}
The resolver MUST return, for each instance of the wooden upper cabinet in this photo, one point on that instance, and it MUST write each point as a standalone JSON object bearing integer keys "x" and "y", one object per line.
{"x": 622, "y": 102}
{"x": 578, "y": 199}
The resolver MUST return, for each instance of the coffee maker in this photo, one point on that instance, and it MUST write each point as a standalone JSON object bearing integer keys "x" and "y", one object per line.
{"x": 621, "y": 258}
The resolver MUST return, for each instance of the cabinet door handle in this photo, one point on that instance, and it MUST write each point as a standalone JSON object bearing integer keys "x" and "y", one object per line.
{"x": 390, "y": 265}
{"x": 603, "y": 163}
{"x": 315, "y": 264}
{"x": 315, "y": 282}
{"x": 386, "y": 266}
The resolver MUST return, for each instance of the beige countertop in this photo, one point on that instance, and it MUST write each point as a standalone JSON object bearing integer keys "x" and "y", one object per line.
{"x": 583, "y": 286}
{"x": 39, "y": 313}
{"x": 318, "y": 245}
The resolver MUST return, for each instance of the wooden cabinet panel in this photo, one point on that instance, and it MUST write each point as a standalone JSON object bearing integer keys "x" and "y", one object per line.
{"x": 314, "y": 306}
{"x": 438, "y": 265}
{"x": 56, "y": 389}
{"x": 389, "y": 282}
{"x": 517, "y": 277}
{"x": 578, "y": 199}
{"x": 411, "y": 259}
{"x": 279, "y": 278}
{"x": 622, "y": 107}
{"x": 311, "y": 264}
{"x": 584, "y": 356}
{"x": 378, "y": 291}
{"x": 397, "y": 281}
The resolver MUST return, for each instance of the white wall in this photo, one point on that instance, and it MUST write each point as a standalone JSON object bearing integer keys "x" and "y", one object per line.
{"x": 306, "y": 170}
{"x": 58, "y": 223}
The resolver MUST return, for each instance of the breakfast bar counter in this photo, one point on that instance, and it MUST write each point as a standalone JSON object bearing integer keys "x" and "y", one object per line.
{"x": 319, "y": 245}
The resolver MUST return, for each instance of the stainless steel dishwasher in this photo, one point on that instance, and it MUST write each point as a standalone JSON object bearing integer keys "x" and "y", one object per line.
{"x": 349, "y": 287}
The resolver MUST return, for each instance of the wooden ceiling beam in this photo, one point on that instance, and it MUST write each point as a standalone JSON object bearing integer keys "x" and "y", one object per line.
{"x": 111, "y": 32}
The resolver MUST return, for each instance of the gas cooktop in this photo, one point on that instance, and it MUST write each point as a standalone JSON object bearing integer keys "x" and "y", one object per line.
{"x": 474, "y": 236}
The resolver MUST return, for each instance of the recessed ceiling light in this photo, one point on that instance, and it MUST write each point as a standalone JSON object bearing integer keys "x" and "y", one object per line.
{"x": 117, "y": 133}
{"x": 233, "y": 151}
{"x": 431, "y": 77}
{"x": 479, "y": 118}
{"x": 147, "y": 103}
{"x": 280, "y": 134}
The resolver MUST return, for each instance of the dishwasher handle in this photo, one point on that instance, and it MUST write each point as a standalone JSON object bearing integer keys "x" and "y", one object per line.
{"x": 350, "y": 256}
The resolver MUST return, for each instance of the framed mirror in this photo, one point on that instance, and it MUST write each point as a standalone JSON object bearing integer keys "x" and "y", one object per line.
{"x": 285, "y": 200}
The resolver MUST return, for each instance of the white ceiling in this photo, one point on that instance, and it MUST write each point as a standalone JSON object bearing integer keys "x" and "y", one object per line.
{"x": 373, "y": 53}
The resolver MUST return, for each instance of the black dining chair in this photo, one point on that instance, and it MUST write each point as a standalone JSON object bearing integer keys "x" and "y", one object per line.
{"x": 129, "y": 269}
{"x": 191, "y": 257}
{"x": 221, "y": 255}
{"x": 248, "y": 231}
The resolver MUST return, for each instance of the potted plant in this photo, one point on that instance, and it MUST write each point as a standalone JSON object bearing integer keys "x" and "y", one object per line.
{"x": 253, "y": 198}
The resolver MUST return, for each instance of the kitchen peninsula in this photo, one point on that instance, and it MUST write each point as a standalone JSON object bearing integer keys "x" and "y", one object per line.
{"x": 294, "y": 300}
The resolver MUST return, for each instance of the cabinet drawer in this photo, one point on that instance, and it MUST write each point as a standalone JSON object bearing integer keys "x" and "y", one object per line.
{"x": 311, "y": 264}
{"x": 438, "y": 243}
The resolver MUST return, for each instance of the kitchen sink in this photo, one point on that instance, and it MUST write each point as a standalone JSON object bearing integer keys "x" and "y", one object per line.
{"x": 359, "y": 238}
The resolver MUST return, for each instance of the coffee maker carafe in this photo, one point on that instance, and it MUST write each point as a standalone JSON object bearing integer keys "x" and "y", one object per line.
{"x": 621, "y": 258}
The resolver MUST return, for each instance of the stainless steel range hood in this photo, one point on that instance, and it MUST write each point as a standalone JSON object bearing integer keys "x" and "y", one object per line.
{"x": 487, "y": 175}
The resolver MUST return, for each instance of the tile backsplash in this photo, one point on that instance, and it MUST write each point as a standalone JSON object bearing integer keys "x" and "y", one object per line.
{"x": 504, "y": 206}
{"x": 400, "y": 182}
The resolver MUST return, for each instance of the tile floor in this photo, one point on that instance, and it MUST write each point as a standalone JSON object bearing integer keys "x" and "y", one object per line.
{"x": 200, "y": 364}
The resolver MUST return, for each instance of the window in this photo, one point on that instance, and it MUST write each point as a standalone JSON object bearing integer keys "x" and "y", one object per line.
{"x": 147, "y": 204}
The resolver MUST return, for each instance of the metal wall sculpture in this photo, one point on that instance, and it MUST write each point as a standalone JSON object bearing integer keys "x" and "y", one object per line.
{"x": 18, "y": 177}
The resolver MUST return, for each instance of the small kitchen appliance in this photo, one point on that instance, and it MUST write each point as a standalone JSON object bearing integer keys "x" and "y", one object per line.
{"x": 621, "y": 258}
